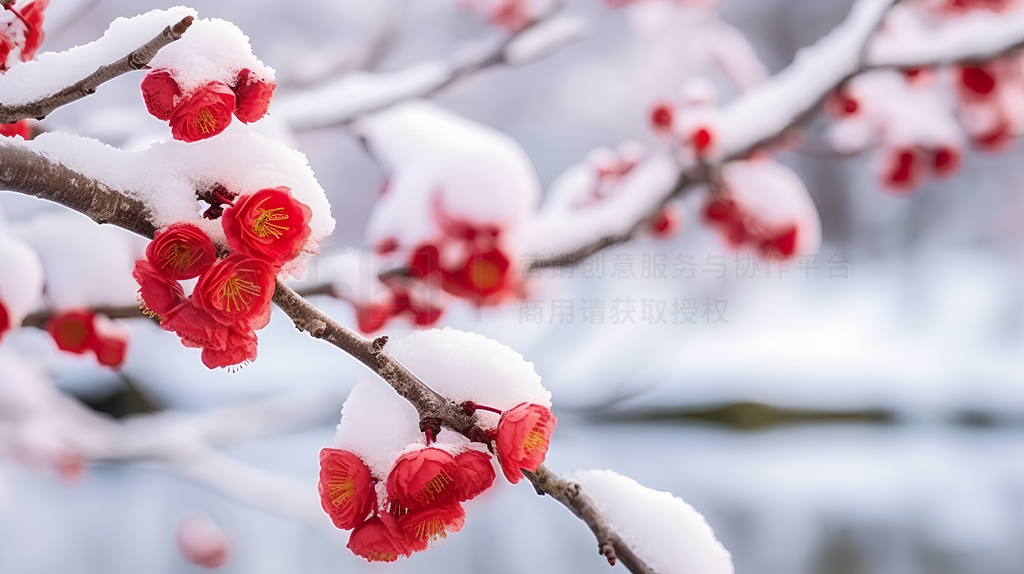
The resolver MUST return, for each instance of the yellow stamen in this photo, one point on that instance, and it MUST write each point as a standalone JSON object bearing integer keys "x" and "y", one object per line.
{"x": 205, "y": 122}
{"x": 178, "y": 256}
{"x": 381, "y": 556}
{"x": 435, "y": 487}
{"x": 341, "y": 490}
{"x": 238, "y": 293}
{"x": 534, "y": 440}
{"x": 263, "y": 227}
{"x": 431, "y": 529}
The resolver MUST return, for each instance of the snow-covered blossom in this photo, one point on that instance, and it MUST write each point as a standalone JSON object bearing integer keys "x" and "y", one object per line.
{"x": 689, "y": 122}
{"x": 200, "y": 81}
{"x": 764, "y": 206}
{"x": 420, "y": 479}
{"x": 451, "y": 216}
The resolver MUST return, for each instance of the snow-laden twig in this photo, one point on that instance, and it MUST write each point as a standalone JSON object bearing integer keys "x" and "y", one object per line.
{"x": 138, "y": 59}
{"x": 360, "y": 93}
{"x": 40, "y": 422}
{"x": 571, "y": 495}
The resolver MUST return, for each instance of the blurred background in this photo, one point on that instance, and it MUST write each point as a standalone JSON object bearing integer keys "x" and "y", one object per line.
{"x": 863, "y": 417}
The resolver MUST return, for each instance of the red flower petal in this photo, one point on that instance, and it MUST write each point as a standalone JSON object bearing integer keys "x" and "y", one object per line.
{"x": 181, "y": 251}
{"x": 476, "y": 474}
{"x": 375, "y": 542}
{"x": 425, "y": 525}
{"x": 270, "y": 225}
{"x": 203, "y": 114}
{"x": 161, "y": 93}
{"x": 5, "y": 320}
{"x": 524, "y": 434}
{"x": 73, "y": 331}
{"x": 159, "y": 293}
{"x": 346, "y": 488}
{"x": 424, "y": 477}
{"x": 236, "y": 291}
{"x": 253, "y": 96}
{"x": 33, "y": 14}
{"x": 22, "y": 128}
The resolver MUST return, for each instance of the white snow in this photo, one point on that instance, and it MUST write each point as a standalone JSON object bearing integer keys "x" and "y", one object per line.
{"x": 166, "y": 175}
{"x": 768, "y": 108}
{"x": 664, "y": 531}
{"x": 209, "y": 50}
{"x": 21, "y": 278}
{"x": 359, "y": 93}
{"x": 51, "y": 72}
{"x": 545, "y": 38}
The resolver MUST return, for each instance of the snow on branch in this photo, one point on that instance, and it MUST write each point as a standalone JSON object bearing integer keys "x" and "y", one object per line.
{"x": 764, "y": 114}
{"x": 34, "y": 89}
{"x": 46, "y": 427}
{"x": 360, "y": 93}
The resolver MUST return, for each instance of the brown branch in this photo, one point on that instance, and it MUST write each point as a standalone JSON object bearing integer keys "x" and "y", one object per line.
{"x": 31, "y": 173}
{"x": 571, "y": 495}
{"x": 136, "y": 60}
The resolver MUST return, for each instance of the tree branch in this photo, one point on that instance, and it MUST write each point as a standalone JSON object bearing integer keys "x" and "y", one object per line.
{"x": 136, "y": 60}
{"x": 571, "y": 495}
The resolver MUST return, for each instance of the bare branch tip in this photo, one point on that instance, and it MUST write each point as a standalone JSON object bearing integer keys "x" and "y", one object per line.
{"x": 179, "y": 28}
{"x": 608, "y": 551}
{"x": 378, "y": 344}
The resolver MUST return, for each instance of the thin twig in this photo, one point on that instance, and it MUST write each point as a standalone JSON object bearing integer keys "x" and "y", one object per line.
{"x": 136, "y": 60}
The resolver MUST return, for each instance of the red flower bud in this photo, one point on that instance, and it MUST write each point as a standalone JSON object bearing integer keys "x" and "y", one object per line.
{"x": 346, "y": 488}
{"x": 425, "y": 477}
{"x": 202, "y": 542}
{"x": 73, "y": 331}
{"x": 236, "y": 291}
{"x": 22, "y": 128}
{"x": 181, "y": 251}
{"x": 161, "y": 93}
{"x": 270, "y": 225}
{"x": 203, "y": 114}
{"x": 662, "y": 116}
{"x": 5, "y": 320}
{"x": 524, "y": 434}
{"x": 253, "y": 96}
{"x": 666, "y": 223}
{"x": 374, "y": 541}
{"x": 110, "y": 351}
{"x": 476, "y": 474}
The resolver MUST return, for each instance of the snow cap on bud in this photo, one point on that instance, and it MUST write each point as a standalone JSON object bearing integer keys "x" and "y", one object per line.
{"x": 524, "y": 435}
{"x": 202, "y": 542}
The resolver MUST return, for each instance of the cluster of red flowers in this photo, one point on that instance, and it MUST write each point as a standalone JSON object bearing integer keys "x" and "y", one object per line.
{"x": 23, "y": 35}
{"x": 740, "y": 228}
{"x": 468, "y": 261}
{"x": 231, "y": 300}
{"x": 991, "y": 95}
{"x": 80, "y": 331}
{"x": 207, "y": 110}
{"x": 421, "y": 497}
